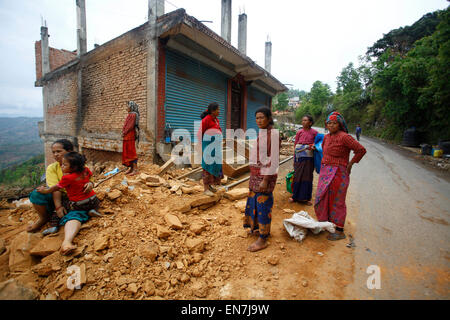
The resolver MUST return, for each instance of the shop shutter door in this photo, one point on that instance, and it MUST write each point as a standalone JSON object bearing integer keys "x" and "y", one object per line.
{"x": 190, "y": 87}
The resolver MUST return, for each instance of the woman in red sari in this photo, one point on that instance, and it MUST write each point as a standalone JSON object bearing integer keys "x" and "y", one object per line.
{"x": 130, "y": 134}
{"x": 334, "y": 175}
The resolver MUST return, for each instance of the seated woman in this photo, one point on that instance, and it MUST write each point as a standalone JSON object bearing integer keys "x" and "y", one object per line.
{"x": 47, "y": 204}
{"x": 82, "y": 205}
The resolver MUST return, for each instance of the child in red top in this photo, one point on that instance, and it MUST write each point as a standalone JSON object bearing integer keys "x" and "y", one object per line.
{"x": 75, "y": 176}
{"x": 82, "y": 205}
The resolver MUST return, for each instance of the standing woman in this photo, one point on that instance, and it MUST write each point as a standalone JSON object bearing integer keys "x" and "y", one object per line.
{"x": 210, "y": 127}
{"x": 258, "y": 211}
{"x": 334, "y": 175}
{"x": 304, "y": 162}
{"x": 130, "y": 134}
{"x": 46, "y": 204}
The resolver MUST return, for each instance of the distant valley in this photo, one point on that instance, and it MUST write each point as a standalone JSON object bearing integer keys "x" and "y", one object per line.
{"x": 19, "y": 140}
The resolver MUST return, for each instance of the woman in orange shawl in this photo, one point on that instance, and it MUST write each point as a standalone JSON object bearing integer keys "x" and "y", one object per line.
{"x": 130, "y": 134}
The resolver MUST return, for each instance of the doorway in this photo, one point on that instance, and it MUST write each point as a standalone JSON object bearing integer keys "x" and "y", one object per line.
{"x": 236, "y": 103}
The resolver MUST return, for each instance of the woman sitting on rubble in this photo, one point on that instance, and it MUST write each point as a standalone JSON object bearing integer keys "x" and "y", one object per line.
{"x": 130, "y": 133}
{"x": 52, "y": 207}
{"x": 210, "y": 131}
{"x": 82, "y": 205}
{"x": 263, "y": 178}
{"x": 335, "y": 172}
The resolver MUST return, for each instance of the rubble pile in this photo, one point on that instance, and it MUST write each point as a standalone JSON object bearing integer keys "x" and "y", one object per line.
{"x": 159, "y": 238}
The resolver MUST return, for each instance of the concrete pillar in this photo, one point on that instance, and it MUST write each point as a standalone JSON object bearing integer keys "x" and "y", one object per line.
{"x": 242, "y": 33}
{"x": 81, "y": 28}
{"x": 226, "y": 20}
{"x": 268, "y": 59}
{"x": 45, "y": 51}
{"x": 155, "y": 7}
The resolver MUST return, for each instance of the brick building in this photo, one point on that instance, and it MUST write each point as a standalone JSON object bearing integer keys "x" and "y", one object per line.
{"x": 173, "y": 66}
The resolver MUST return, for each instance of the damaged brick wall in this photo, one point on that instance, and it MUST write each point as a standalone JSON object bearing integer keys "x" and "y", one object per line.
{"x": 61, "y": 104}
{"x": 112, "y": 74}
{"x": 58, "y": 58}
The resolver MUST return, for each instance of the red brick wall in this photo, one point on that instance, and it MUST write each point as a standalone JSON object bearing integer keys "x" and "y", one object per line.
{"x": 57, "y": 58}
{"x": 112, "y": 75}
{"x": 99, "y": 156}
{"x": 61, "y": 106}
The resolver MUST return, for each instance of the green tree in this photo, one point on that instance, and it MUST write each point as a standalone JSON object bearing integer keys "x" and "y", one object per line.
{"x": 282, "y": 101}
{"x": 314, "y": 102}
{"x": 401, "y": 40}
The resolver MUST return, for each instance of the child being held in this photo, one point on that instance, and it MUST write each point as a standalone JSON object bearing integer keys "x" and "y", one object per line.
{"x": 76, "y": 175}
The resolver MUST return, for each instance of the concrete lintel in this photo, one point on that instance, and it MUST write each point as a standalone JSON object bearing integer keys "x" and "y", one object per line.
{"x": 242, "y": 67}
{"x": 255, "y": 76}
{"x": 197, "y": 56}
{"x": 263, "y": 88}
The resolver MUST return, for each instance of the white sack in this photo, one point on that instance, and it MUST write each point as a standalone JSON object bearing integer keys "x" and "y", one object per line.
{"x": 297, "y": 226}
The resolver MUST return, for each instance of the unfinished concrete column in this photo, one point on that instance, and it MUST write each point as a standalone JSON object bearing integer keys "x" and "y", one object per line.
{"x": 155, "y": 7}
{"x": 226, "y": 20}
{"x": 268, "y": 59}
{"x": 81, "y": 28}
{"x": 45, "y": 50}
{"x": 242, "y": 33}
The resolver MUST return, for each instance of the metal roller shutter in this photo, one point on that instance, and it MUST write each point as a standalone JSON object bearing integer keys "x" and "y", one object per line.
{"x": 190, "y": 87}
{"x": 256, "y": 99}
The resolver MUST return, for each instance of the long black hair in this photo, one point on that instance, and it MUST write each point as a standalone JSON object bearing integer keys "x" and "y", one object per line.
{"x": 213, "y": 106}
{"x": 266, "y": 111}
{"x": 77, "y": 161}
{"x": 66, "y": 144}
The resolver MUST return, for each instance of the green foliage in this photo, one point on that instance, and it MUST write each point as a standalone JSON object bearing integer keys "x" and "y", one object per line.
{"x": 26, "y": 174}
{"x": 315, "y": 102}
{"x": 401, "y": 40}
{"x": 401, "y": 82}
{"x": 282, "y": 101}
{"x": 414, "y": 88}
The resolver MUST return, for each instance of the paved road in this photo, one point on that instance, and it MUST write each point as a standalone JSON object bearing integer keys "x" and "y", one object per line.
{"x": 401, "y": 213}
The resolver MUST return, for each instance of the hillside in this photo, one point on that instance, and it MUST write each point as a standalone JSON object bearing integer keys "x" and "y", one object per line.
{"x": 19, "y": 140}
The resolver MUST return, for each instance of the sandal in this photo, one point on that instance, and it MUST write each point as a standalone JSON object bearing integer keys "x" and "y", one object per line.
{"x": 50, "y": 231}
{"x": 94, "y": 213}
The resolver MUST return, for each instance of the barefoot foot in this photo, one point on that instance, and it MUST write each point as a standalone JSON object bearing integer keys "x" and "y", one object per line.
{"x": 36, "y": 226}
{"x": 67, "y": 248}
{"x": 257, "y": 245}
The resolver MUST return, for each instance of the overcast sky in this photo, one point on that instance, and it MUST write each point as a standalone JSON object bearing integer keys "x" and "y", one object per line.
{"x": 311, "y": 39}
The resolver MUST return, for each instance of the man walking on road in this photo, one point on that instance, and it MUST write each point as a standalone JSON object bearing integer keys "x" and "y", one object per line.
{"x": 358, "y": 131}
